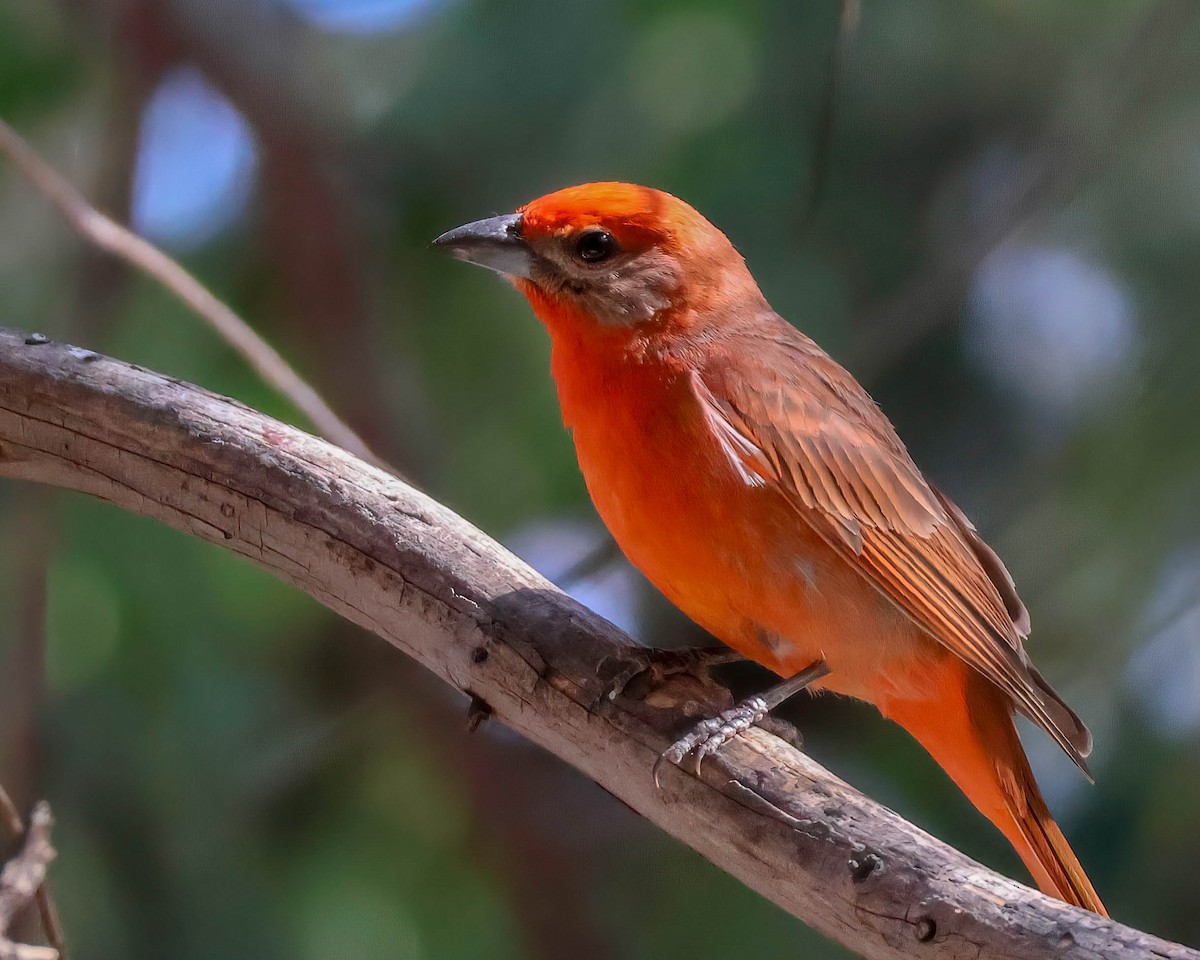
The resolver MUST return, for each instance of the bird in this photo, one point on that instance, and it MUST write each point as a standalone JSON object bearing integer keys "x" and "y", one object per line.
{"x": 755, "y": 483}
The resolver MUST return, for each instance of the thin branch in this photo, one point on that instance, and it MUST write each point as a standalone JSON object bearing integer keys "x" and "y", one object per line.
{"x": 10, "y": 816}
{"x": 52, "y": 927}
{"x": 110, "y": 236}
{"x": 406, "y": 568}
{"x": 849, "y": 15}
{"x": 23, "y": 877}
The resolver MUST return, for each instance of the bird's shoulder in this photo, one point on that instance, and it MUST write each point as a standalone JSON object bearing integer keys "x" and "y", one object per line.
{"x": 819, "y": 431}
{"x": 773, "y": 357}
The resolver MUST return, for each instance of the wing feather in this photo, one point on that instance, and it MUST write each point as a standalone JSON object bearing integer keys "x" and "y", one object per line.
{"x": 798, "y": 422}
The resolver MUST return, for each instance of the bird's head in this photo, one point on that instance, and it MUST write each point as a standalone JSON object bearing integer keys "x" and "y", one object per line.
{"x": 610, "y": 257}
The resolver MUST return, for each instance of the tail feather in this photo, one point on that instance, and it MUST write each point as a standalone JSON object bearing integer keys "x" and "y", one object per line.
{"x": 1046, "y": 852}
{"x": 968, "y": 729}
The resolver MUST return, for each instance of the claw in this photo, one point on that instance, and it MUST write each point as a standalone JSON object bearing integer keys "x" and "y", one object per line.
{"x": 673, "y": 754}
{"x": 706, "y": 737}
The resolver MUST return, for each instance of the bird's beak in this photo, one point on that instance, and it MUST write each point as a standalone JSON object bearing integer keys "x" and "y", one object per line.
{"x": 494, "y": 243}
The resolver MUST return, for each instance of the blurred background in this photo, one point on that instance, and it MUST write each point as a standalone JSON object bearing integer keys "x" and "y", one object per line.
{"x": 1003, "y": 245}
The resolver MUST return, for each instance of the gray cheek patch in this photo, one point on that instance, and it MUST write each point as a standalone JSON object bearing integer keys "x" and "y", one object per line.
{"x": 633, "y": 292}
{"x": 636, "y": 292}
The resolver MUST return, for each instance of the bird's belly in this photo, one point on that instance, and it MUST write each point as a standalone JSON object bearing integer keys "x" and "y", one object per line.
{"x": 741, "y": 562}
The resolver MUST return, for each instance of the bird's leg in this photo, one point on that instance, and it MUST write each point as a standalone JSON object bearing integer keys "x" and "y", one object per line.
{"x": 707, "y": 736}
{"x": 655, "y": 664}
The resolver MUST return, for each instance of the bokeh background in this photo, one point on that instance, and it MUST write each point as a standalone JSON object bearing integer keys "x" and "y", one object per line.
{"x": 1004, "y": 246}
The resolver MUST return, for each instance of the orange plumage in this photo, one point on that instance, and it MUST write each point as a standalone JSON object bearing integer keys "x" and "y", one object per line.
{"x": 755, "y": 483}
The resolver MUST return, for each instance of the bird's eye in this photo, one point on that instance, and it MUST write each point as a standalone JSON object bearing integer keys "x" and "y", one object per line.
{"x": 595, "y": 246}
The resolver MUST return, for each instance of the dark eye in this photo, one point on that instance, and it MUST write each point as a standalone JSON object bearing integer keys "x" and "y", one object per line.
{"x": 595, "y": 246}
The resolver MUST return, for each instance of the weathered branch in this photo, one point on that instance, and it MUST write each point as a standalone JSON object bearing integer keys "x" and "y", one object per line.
{"x": 390, "y": 559}
{"x": 21, "y": 879}
{"x": 10, "y": 818}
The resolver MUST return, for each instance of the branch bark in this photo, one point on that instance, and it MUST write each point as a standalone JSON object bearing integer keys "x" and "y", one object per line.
{"x": 392, "y": 560}
{"x": 22, "y": 878}
{"x": 37, "y": 841}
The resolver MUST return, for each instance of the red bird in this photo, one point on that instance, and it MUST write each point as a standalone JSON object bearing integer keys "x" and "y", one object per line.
{"x": 756, "y": 484}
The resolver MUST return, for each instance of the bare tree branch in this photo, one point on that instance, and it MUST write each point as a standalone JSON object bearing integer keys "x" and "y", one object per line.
{"x": 409, "y": 570}
{"x": 22, "y": 878}
{"x": 10, "y": 817}
{"x": 110, "y": 236}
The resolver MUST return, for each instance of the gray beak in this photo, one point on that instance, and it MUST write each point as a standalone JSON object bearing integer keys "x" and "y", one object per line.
{"x": 494, "y": 243}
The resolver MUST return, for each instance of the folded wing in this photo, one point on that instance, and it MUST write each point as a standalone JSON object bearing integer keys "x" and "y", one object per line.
{"x": 798, "y": 422}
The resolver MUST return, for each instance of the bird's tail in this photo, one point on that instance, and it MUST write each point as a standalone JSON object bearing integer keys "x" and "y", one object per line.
{"x": 969, "y": 731}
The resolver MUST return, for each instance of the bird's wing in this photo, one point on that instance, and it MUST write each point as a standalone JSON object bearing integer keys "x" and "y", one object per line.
{"x": 794, "y": 420}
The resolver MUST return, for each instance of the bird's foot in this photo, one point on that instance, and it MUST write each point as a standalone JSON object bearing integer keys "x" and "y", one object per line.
{"x": 706, "y": 737}
{"x": 638, "y": 670}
